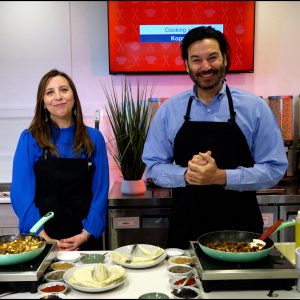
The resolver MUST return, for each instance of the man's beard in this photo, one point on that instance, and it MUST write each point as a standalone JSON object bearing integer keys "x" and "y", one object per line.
{"x": 210, "y": 84}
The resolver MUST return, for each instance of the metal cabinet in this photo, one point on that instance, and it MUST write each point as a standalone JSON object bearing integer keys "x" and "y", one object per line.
{"x": 8, "y": 220}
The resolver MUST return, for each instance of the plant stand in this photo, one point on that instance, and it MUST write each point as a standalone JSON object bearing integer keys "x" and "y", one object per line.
{"x": 133, "y": 187}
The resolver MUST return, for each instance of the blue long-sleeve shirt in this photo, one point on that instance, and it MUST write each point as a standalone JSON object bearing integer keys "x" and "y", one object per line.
{"x": 253, "y": 116}
{"x": 23, "y": 185}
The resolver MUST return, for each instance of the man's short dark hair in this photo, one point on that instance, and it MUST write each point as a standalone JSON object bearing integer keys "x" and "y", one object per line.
{"x": 205, "y": 32}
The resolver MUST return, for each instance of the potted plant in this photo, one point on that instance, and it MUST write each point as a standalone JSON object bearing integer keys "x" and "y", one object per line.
{"x": 129, "y": 115}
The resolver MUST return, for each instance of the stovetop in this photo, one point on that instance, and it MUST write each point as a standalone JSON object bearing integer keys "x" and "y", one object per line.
{"x": 272, "y": 272}
{"x": 26, "y": 276}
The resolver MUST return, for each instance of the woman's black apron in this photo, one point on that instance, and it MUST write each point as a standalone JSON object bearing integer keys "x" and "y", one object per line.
{"x": 64, "y": 186}
{"x": 200, "y": 209}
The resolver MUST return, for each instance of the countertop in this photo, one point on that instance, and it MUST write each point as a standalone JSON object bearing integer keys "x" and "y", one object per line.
{"x": 155, "y": 279}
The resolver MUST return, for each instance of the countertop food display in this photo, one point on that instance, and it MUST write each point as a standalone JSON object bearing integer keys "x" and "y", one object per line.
{"x": 131, "y": 283}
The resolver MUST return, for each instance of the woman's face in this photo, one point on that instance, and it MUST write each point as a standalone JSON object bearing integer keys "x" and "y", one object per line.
{"x": 59, "y": 101}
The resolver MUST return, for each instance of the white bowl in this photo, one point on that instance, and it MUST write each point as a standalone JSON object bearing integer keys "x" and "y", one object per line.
{"x": 174, "y": 252}
{"x": 174, "y": 279}
{"x": 193, "y": 289}
{"x": 52, "y": 284}
{"x": 68, "y": 255}
{"x": 62, "y": 265}
{"x": 181, "y": 260}
{"x": 55, "y": 275}
{"x": 50, "y": 296}
{"x": 179, "y": 270}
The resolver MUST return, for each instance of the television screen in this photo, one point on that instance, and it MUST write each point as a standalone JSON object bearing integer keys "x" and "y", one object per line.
{"x": 145, "y": 36}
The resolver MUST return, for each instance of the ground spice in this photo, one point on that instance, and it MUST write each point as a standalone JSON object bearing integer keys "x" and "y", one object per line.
{"x": 54, "y": 289}
{"x": 191, "y": 281}
{"x": 187, "y": 294}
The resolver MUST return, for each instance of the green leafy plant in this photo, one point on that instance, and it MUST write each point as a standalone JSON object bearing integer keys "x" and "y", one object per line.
{"x": 129, "y": 117}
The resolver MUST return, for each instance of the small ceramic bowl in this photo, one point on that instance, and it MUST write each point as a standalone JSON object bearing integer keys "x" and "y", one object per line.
{"x": 188, "y": 293}
{"x": 176, "y": 281}
{"x": 179, "y": 270}
{"x": 68, "y": 255}
{"x": 62, "y": 265}
{"x": 54, "y": 276}
{"x": 179, "y": 260}
{"x": 154, "y": 295}
{"x": 92, "y": 258}
{"x": 174, "y": 252}
{"x": 53, "y": 287}
{"x": 51, "y": 296}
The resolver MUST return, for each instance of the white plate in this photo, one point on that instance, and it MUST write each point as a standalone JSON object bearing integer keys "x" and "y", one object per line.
{"x": 69, "y": 273}
{"x": 140, "y": 265}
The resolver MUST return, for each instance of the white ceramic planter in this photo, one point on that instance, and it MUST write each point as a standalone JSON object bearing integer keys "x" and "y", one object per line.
{"x": 133, "y": 187}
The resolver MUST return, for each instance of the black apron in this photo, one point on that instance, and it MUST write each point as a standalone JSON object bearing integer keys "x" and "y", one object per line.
{"x": 200, "y": 209}
{"x": 64, "y": 186}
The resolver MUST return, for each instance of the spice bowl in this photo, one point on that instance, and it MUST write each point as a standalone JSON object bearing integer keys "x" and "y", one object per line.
{"x": 180, "y": 260}
{"x": 51, "y": 296}
{"x": 62, "y": 265}
{"x": 188, "y": 293}
{"x": 174, "y": 252}
{"x": 179, "y": 270}
{"x": 176, "y": 281}
{"x": 70, "y": 256}
{"x": 54, "y": 276}
{"x": 53, "y": 287}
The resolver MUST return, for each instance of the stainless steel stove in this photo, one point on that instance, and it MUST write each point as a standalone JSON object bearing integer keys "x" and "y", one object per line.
{"x": 26, "y": 277}
{"x": 275, "y": 272}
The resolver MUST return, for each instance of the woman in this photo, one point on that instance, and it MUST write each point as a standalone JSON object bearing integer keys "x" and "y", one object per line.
{"x": 61, "y": 165}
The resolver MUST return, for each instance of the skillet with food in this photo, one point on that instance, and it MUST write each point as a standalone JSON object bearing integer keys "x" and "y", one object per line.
{"x": 217, "y": 244}
{"x": 19, "y": 248}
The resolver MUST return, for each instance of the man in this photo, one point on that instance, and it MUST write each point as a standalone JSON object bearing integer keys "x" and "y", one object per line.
{"x": 214, "y": 145}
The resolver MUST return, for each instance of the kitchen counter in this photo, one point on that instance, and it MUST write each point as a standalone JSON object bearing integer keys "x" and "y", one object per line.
{"x": 155, "y": 279}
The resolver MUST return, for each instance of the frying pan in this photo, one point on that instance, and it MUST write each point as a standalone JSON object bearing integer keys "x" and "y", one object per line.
{"x": 238, "y": 236}
{"x": 12, "y": 259}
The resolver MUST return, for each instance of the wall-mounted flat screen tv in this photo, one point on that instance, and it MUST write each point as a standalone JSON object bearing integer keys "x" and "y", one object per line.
{"x": 144, "y": 36}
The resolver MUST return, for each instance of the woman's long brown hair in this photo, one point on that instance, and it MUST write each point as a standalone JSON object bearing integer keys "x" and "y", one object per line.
{"x": 42, "y": 129}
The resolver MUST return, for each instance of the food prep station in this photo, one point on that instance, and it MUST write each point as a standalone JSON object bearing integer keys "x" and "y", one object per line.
{"x": 264, "y": 280}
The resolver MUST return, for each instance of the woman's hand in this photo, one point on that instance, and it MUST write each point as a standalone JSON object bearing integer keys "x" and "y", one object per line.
{"x": 73, "y": 243}
{"x": 68, "y": 244}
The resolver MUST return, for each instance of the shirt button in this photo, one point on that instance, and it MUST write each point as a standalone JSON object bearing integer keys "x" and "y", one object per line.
{"x": 208, "y": 110}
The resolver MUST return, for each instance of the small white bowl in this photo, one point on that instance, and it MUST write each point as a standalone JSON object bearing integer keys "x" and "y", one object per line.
{"x": 50, "y": 296}
{"x": 54, "y": 276}
{"x": 179, "y": 270}
{"x": 174, "y": 279}
{"x": 52, "y": 284}
{"x": 68, "y": 255}
{"x": 181, "y": 260}
{"x": 174, "y": 252}
{"x": 193, "y": 289}
{"x": 62, "y": 265}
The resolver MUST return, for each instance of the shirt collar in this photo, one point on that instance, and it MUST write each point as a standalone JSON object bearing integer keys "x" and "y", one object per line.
{"x": 219, "y": 96}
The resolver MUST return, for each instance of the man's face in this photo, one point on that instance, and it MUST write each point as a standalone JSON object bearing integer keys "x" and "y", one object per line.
{"x": 206, "y": 65}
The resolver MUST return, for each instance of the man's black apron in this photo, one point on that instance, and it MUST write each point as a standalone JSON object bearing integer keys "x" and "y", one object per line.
{"x": 200, "y": 209}
{"x": 64, "y": 186}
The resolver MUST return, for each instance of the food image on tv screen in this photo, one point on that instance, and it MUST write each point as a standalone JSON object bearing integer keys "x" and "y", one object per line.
{"x": 145, "y": 36}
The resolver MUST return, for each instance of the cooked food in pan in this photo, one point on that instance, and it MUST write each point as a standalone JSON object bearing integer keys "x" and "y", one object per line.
{"x": 232, "y": 246}
{"x": 21, "y": 245}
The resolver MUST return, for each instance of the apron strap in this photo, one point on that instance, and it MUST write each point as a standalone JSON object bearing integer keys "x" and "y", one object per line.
{"x": 231, "y": 120}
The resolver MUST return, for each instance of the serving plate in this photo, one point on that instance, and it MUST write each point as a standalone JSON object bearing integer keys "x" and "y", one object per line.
{"x": 69, "y": 273}
{"x": 125, "y": 250}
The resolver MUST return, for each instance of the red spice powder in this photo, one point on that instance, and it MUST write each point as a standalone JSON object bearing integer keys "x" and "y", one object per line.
{"x": 191, "y": 281}
{"x": 53, "y": 289}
